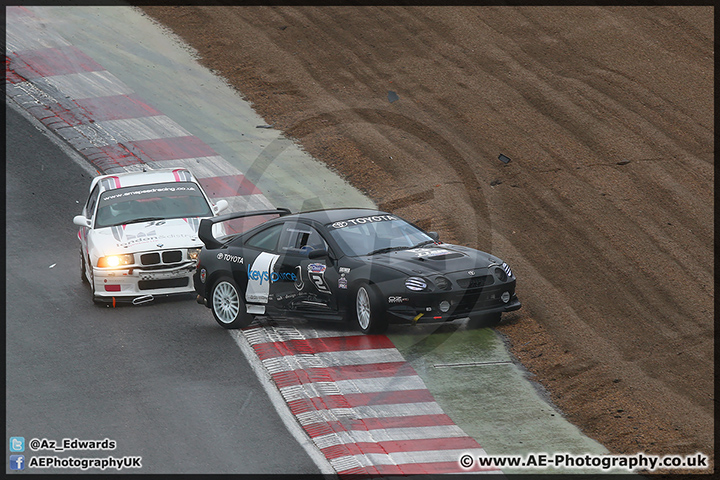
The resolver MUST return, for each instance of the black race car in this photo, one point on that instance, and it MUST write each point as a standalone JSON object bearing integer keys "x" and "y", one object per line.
{"x": 363, "y": 265}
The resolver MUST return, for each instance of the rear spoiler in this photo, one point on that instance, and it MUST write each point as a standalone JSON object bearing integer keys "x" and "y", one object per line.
{"x": 205, "y": 231}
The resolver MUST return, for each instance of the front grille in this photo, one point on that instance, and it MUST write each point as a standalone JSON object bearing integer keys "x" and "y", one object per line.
{"x": 167, "y": 283}
{"x": 170, "y": 256}
{"x": 150, "y": 258}
{"x": 475, "y": 282}
{"x": 173, "y": 256}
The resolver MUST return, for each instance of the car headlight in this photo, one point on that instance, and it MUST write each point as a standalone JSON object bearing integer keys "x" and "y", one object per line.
{"x": 116, "y": 260}
{"x": 416, "y": 284}
{"x": 503, "y": 272}
{"x": 442, "y": 283}
{"x": 506, "y": 267}
{"x": 193, "y": 253}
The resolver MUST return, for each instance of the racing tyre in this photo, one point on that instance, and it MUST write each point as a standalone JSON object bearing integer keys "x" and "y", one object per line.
{"x": 96, "y": 300}
{"x": 83, "y": 276}
{"x": 369, "y": 315}
{"x": 227, "y": 305}
{"x": 90, "y": 281}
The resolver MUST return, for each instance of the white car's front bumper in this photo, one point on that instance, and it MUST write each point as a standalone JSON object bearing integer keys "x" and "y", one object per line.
{"x": 128, "y": 283}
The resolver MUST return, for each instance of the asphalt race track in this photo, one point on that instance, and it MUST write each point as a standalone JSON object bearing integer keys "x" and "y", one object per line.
{"x": 161, "y": 380}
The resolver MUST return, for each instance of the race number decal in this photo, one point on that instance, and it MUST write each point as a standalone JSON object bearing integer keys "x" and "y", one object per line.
{"x": 316, "y": 272}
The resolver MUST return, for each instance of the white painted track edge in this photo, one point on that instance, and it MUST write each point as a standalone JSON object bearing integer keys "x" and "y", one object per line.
{"x": 281, "y": 406}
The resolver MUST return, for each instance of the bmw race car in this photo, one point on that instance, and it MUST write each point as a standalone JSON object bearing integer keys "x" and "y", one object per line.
{"x": 138, "y": 234}
{"x": 362, "y": 265}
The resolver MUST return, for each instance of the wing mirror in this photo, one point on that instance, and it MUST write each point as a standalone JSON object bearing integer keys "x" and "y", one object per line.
{"x": 317, "y": 253}
{"x": 81, "y": 221}
{"x": 220, "y": 206}
{"x": 434, "y": 235}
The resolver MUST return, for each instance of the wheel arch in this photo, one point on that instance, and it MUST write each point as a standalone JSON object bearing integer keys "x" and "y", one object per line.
{"x": 355, "y": 285}
{"x": 213, "y": 277}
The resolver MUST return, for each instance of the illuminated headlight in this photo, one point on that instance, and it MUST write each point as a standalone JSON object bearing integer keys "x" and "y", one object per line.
{"x": 505, "y": 297}
{"x": 115, "y": 260}
{"x": 193, "y": 253}
{"x": 444, "y": 306}
{"x": 416, "y": 284}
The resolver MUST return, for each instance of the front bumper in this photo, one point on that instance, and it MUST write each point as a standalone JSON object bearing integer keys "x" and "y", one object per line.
{"x": 128, "y": 283}
{"x": 425, "y": 308}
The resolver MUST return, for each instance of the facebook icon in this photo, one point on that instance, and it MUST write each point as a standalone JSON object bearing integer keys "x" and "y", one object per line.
{"x": 17, "y": 462}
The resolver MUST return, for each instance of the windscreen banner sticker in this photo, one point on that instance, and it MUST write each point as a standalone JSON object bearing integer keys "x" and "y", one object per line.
{"x": 146, "y": 192}
{"x": 258, "y": 288}
{"x": 363, "y": 220}
{"x": 316, "y": 272}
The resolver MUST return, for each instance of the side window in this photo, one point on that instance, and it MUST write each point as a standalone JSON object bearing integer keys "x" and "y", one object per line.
{"x": 298, "y": 238}
{"x": 92, "y": 200}
{"x": 267, "y": 239}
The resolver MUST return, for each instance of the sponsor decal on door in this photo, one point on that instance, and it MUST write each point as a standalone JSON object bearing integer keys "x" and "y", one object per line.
{"x": 259, "y": 278}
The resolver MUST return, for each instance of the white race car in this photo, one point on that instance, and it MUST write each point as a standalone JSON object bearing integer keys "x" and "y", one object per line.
{"x": 138, "y": 234}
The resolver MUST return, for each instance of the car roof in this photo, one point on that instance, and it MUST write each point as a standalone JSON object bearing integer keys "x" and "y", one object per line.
{"x": 146, "y": 177}
{"x": 336, "y": 214}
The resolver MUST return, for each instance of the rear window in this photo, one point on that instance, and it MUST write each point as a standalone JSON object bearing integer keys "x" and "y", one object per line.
{"x": 266, "y": 239}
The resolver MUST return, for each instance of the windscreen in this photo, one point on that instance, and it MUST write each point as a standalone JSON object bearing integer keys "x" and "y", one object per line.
{"x": 143, "y": 203}
{"x": 376, "y": 234}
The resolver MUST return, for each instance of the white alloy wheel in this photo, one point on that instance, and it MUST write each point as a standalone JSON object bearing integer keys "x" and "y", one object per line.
{"x": 370, "y": 315}
{"x": 362, "y": 304}
{"x": 226, "y": 302}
